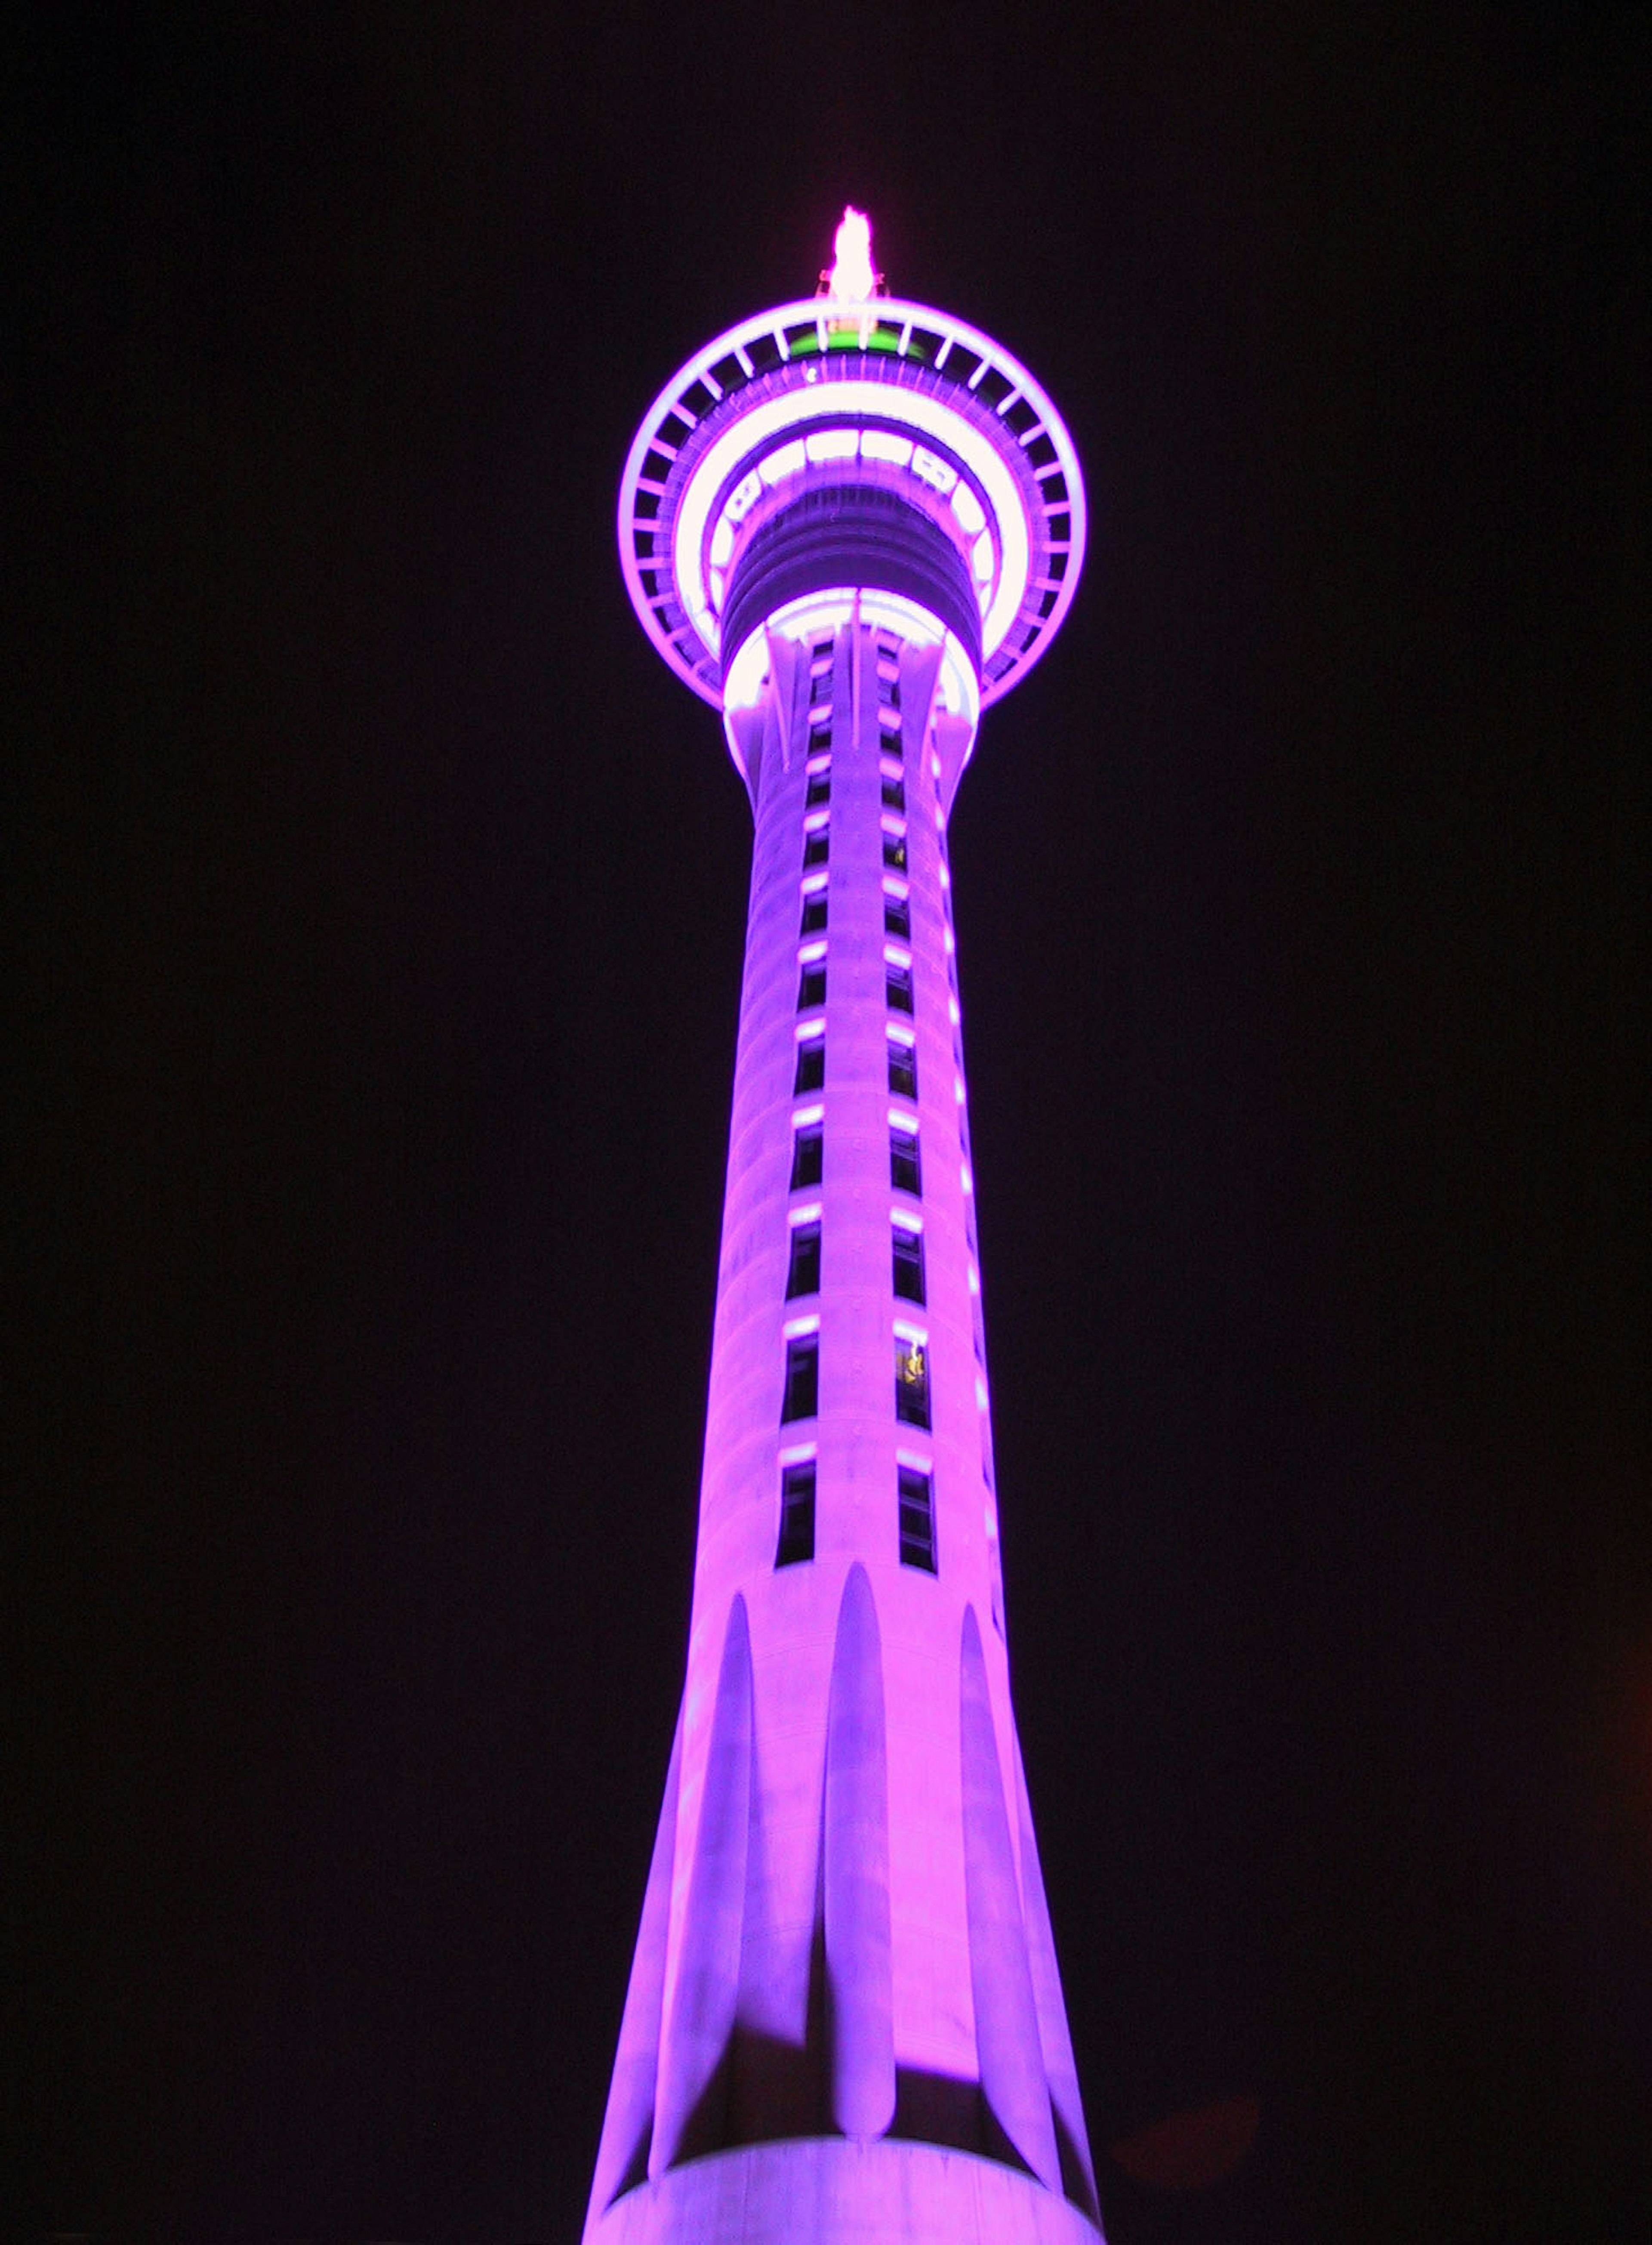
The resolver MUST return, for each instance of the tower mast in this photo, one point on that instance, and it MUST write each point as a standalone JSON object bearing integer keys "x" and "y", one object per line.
{"x": 849, "y": 523}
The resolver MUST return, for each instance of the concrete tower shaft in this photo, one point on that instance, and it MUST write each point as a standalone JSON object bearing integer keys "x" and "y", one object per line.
{"x": 845, "y": 2015}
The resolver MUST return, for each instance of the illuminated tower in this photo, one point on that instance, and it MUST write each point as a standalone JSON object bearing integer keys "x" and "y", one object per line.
{"x": 848, "y": 524}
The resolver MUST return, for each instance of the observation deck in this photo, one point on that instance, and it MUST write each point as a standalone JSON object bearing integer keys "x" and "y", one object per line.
{"x": 826, "y": 448}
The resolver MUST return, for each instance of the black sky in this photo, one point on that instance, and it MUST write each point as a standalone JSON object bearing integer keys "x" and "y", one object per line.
{"x": 376, "y": 902}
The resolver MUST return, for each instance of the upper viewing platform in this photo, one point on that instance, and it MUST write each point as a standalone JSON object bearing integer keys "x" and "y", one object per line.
{"x": 852, "y": 442}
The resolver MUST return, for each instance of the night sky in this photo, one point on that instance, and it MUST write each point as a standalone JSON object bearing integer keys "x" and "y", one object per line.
{"x": 376, "y": 900}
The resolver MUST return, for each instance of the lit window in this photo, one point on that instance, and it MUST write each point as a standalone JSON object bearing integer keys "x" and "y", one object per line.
{"x": 803, "y": 1275}
{"x": 907, "y": 1249}
{"x": 796, "y": 1514}
{"x": 917, "y": 1517}
{"x": 814, "y": 917}
{"x": 898, "y": 988}
{"x": 809, "y": 1154}
{"x": 812, "y": 984}
{"x": 902, "y": 1066}
{"x": 811, "y": 1065}
{"x": 912, "y": 1382}
{"x": 904, "y": 1173}
{"x": 801, "y": 1400}
{"x": 895, "y": 851}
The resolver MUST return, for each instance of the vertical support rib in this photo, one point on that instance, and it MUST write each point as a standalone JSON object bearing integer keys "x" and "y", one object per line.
{"x": 702, "y": 2009}
{"x": 636, "y": 2065}
{"x": 1006, "y": 2027}
{"x": 858, "y": 1968}
{"x": 1061, "y": 2068}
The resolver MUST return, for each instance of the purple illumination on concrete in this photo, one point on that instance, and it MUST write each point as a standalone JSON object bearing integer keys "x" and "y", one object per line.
{"x": 845, "y": 2017}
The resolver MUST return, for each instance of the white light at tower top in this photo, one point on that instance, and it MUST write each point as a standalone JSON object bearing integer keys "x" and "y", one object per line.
{"x": 851, "y": 279}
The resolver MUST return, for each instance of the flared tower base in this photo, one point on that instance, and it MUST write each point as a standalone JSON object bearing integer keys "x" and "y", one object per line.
{"x": 829, "y": 2191}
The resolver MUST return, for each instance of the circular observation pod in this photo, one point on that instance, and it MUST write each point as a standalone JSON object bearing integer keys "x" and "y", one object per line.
{"x": 823, "y": 452}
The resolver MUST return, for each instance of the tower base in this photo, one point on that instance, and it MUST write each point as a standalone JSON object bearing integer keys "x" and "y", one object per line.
{"x": 828, "y": 2190}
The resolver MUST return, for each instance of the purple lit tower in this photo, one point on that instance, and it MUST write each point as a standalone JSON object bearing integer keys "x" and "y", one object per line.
{"x": 848, "y": 524}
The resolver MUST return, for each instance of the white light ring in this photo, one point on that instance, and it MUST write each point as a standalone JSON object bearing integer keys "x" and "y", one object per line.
{"x": 754, "y": 432}
{"x": 746, "y": 679}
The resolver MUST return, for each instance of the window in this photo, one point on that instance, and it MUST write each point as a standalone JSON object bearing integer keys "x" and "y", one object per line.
{"x": 895, "y": 851}
{"x": 912, "y": 1382}
{"x": 898, "y": 988}
{"x": 897, "y": 916}
{"x": 917, "y": 1502}
{"x": 820, "y": 731}
{"x": 811, "y": 1064}
{"x": 815, "y": 847}
{"x": 903, "y": 1067}
{"x": 803, "y": 1380}
{"x": 907, "y": 1249}
{"x": 814, "y": 914}
{"x": 803, "y": 1275}
{"x": 904, "y": 1172}
{"x": 809, "y": 1153}
{"x": 796, "y": 1514}
{"x": 895, "y": 794}
{"x": 812, "y": 984}
{"x": 819, "y": 789}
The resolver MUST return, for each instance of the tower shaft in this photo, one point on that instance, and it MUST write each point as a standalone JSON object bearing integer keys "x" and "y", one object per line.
{"x": 845, "y": 1932}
